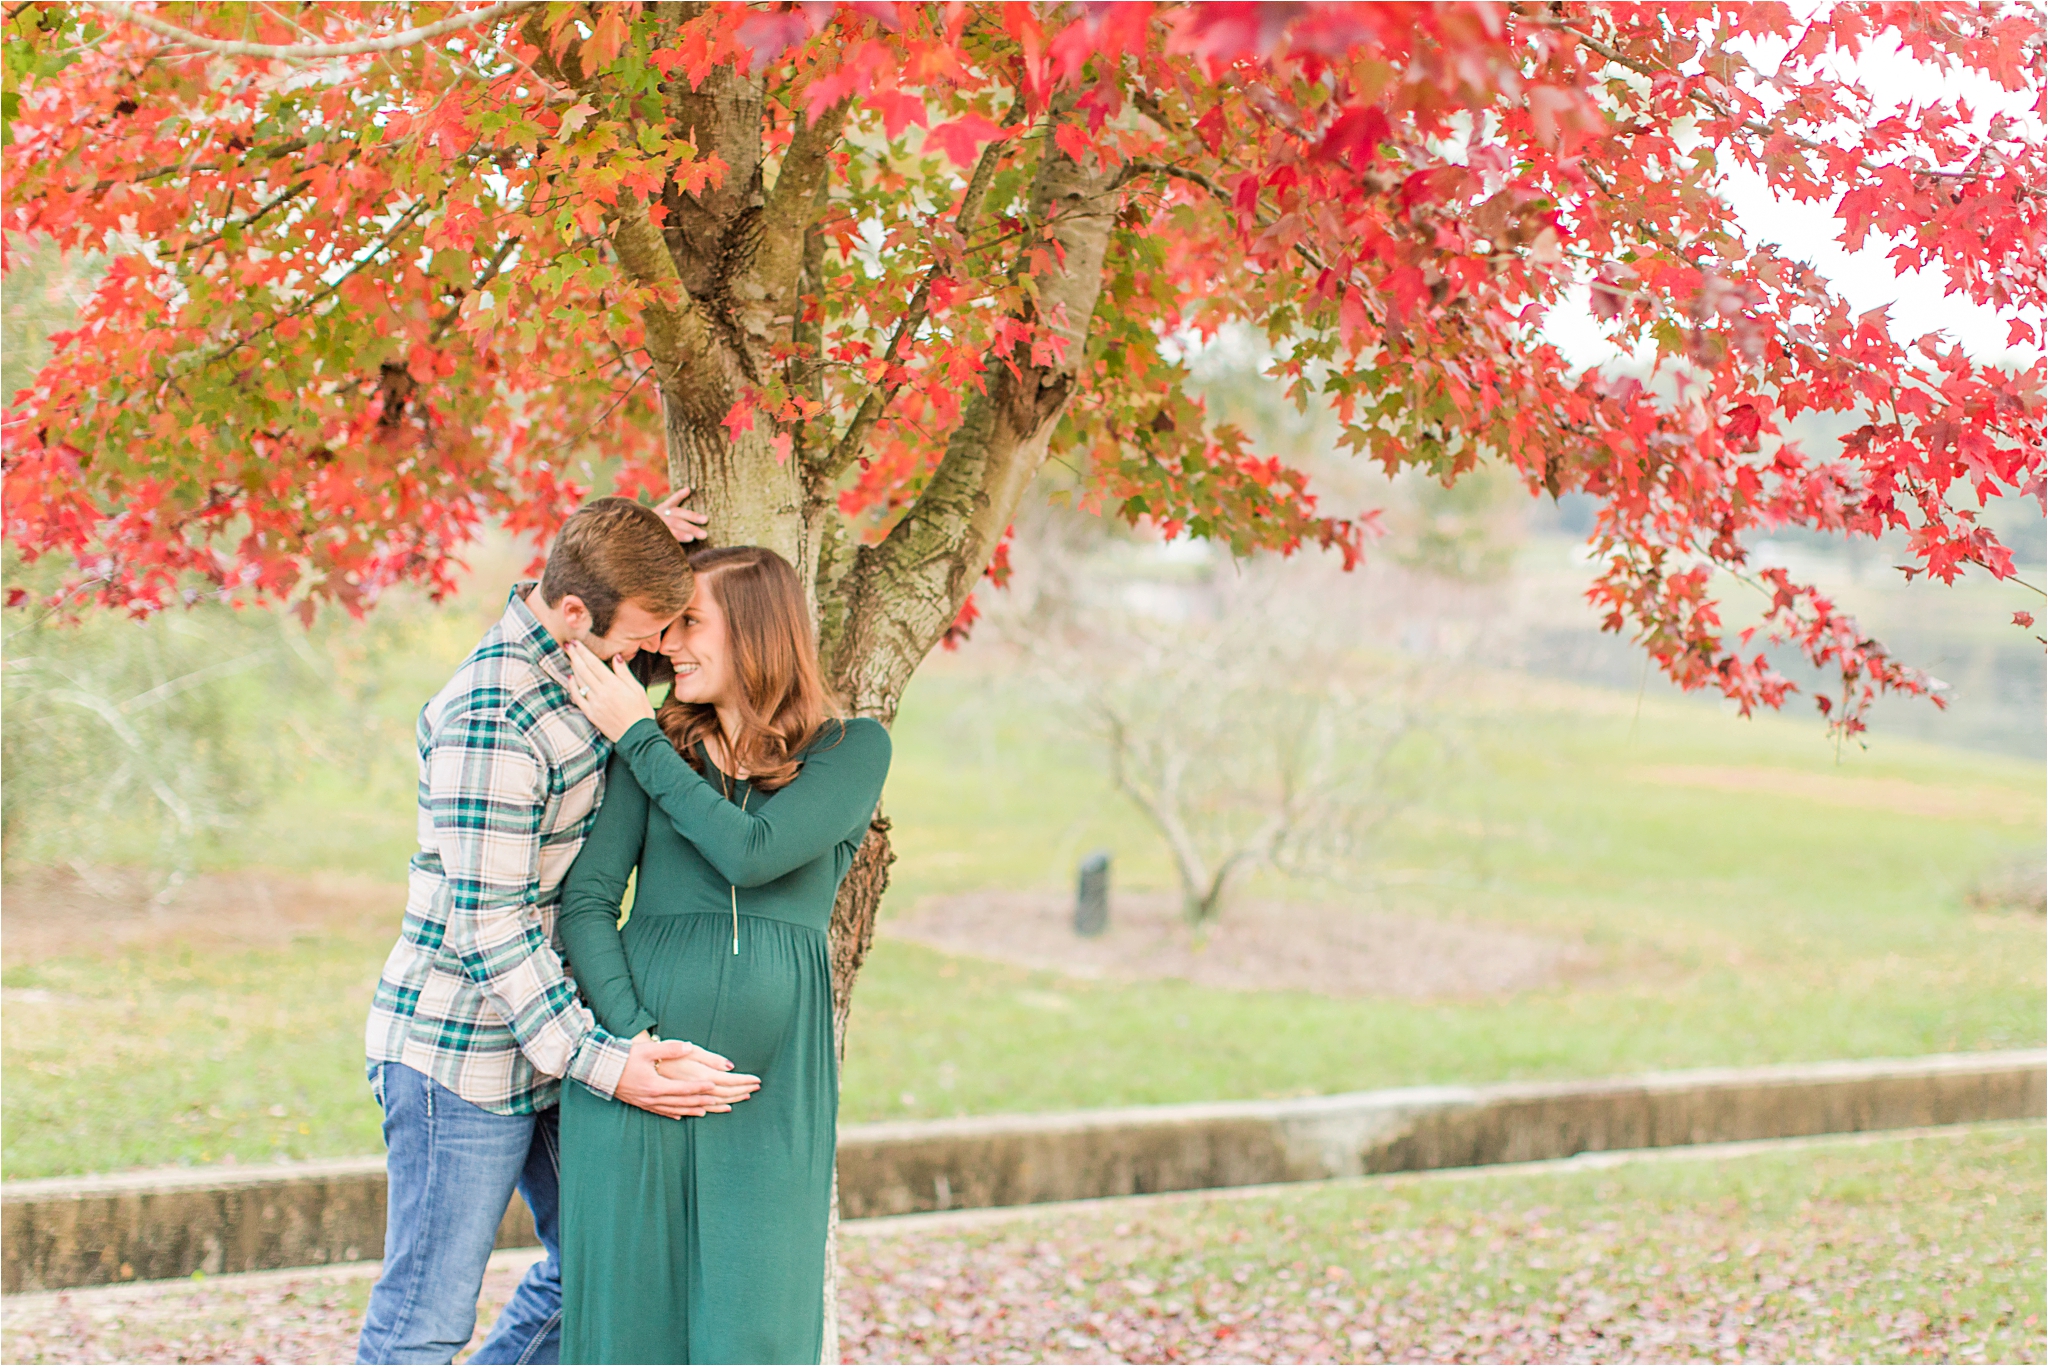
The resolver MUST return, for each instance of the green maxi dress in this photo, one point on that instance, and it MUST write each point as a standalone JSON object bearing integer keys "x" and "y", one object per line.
{"x": 700, "y": 1240}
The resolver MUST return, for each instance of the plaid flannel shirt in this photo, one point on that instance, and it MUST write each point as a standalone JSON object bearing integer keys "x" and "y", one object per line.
{"x": 474, "y": 993}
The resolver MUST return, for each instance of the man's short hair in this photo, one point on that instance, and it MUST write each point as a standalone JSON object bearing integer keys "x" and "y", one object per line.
{"x": 611, "y": 550}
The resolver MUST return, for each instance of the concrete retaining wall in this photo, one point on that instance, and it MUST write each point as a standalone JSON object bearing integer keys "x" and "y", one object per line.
{"x": 1025, "y": 1159}
{"x": 148, "y": 1225}
{"x": 154, "y": 1225}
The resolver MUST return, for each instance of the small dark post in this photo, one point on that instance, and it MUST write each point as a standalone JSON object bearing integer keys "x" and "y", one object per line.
{"x": 1091, "y": 900}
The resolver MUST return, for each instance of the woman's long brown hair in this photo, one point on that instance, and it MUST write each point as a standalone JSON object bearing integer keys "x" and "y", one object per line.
{"x": 783, "y": 702}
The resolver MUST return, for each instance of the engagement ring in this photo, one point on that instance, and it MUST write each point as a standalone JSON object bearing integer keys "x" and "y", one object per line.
{"x": 582, "y": 691}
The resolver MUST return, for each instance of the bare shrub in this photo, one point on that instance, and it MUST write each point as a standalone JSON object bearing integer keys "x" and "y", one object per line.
{"x": 1238, "y": 706}
{"x": 149, "y": 743}
{"x": 2021, "y": 885}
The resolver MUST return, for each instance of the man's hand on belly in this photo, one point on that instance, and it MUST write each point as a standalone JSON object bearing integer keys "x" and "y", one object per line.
{"x": 671, "y": 1078}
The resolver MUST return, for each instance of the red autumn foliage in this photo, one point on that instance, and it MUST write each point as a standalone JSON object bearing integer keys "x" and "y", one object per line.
{"x": 354, "y": 305}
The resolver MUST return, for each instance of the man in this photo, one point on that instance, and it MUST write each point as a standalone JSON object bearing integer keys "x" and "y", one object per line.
{"x": 475, "y": 1023}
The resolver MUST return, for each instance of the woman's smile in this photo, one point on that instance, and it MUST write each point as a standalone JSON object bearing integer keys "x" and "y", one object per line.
{"x": 698, "y": 650}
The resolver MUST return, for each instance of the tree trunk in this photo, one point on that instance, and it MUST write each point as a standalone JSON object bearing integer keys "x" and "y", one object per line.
{"x": 853, "y": 921}
{"x": 751, "y": 497}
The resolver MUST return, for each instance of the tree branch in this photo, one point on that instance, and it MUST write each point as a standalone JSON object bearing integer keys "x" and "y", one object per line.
{"x": 1137, "y": 168}
{"x": 1159, "y": 806}
{"x": 483, "y": 280}
{"x": 301, "y": 51}
{"x": 282, "y": 197}
{"x": 576, "y": 438}
{"x": 1764, "y": 130}
{"x": 848, "y": 447}
{"x": 377, "y": 249}
{"x": 678, "y": 338}
{"x": 283, "y": 149}
{"x": 904, "y": 591}
{"x": 792, "y": 205}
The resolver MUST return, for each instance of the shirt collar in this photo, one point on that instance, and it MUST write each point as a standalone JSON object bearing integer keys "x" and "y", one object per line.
{"x": 533, "y": 640}
{"x": 523, "y": 628}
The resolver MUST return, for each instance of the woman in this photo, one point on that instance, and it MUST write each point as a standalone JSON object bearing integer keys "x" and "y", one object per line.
{"x": 740, "y": 804}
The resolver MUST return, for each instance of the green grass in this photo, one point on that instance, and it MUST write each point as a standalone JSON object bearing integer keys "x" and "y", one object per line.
{"x": 1897, "y": 1251}
{"x": 1740, "y": 927}
{"x": 1732, "y": 927}
{"x": 190, "y": 1058}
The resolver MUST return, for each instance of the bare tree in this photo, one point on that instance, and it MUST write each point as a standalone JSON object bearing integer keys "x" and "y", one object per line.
{"x": 1231, "y": 705}
{"x": 1247, "y": 749}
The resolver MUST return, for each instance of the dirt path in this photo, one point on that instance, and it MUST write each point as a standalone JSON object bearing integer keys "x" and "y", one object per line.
{"x": 53, "y": 912}
{"x": 1256, "y": 946}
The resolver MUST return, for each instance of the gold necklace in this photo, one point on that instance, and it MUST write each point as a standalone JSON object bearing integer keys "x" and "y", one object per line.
{"x": 724, "y": 786}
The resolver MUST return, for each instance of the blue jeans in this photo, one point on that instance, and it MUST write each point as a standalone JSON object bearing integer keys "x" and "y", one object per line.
{"x": 452, "y": 1167}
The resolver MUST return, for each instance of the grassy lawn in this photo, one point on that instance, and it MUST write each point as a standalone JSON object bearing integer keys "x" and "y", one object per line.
{"x": 1738, "y": 926}
{"x": 1761, "y": 923}
{"x": 1887, "y": 1251}
{"x": 147, "y": 1059}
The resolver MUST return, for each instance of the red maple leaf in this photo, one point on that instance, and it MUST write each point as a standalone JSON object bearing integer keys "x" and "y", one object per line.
{"x": 961, "y": 138}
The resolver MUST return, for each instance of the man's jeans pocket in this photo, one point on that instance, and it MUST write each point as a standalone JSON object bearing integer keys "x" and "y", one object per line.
{"x": 377, "y": 1083}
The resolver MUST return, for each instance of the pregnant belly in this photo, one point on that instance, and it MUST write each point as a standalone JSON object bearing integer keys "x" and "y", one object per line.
{"x": 743, "y": 1005}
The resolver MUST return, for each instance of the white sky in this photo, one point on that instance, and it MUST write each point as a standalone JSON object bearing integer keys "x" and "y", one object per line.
{"x": 1812, "y": 233}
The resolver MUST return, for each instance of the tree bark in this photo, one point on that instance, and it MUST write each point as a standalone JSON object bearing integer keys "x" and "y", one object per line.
{"x": 752, "y": 498}
{"x": 853, "y": 921}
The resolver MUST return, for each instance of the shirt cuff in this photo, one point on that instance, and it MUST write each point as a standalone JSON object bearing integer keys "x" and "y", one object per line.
{"x": 600, "y": 1062}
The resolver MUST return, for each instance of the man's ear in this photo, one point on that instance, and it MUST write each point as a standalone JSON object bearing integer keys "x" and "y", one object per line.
{"x": 574, "y": 614}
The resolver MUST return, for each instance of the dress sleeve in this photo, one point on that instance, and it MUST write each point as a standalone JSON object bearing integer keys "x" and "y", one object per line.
{"x": 829, "y": 801}
{"x": 591, "y": 895}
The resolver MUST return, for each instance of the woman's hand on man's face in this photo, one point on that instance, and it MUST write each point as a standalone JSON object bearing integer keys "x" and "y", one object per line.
{"x": 611, "y": 697}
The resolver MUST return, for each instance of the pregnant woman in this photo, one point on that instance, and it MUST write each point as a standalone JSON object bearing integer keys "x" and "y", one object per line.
{"x": 739, "y": 805}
